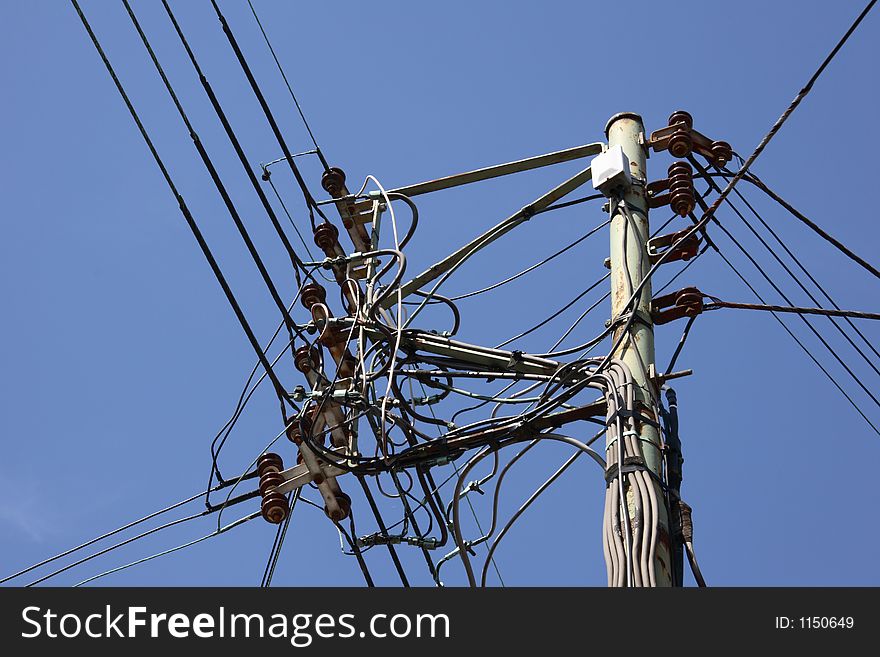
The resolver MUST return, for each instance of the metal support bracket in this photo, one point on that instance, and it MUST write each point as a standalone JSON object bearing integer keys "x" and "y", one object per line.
{"x": 687, "y": 302}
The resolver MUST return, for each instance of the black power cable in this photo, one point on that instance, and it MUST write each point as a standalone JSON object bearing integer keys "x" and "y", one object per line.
{"x": 275, "y": 553}
{"x": 801, "y": 266}
{"x": 307, "y": 195}
{"x": 801, "y": 344}
{"x": 351, "y": 539}
{"x": 318, "y": 151}
{"x": 218, "y": 183}
{"x": 681, "y": 343}
{"x": 812, "y": 225}
{"x": 372, "y": 502}
{"x": 779, "y": 291}
{"x": 187, "y": 215}
{"x": 716, "y": 304}
{"x": 786, "y": 268}
{"x": 787, "y": 113}
{"x": 295, "y": 260}
{"x": 743, "y": 171}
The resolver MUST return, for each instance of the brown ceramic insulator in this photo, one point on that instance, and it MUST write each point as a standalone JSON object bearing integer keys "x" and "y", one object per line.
{"x": 303, "y": 359}
{"x": 333, "y": 181}
{"x": 344, "y": 502}
{"x": 294, "y": 435}
{"x": 294, "y": 431}
{"x": 308, "y": 421}
{"x": 680, "y": 143}
{"x": 274, "y": 508}
{"x": 311, "y": 294}
{"x": 721, "y": 153}
{"x": 270, "y": 481}
{"x": 680, "y": 116}
{"x": 681, "y": 188}
{"x": 682, "y": 203}
{"x": 269, "y": 462}
{"x": 691, "y": 299}
{"x": 327, "y": 238}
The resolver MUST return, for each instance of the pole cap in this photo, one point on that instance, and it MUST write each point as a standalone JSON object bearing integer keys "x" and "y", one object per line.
{"x": 622, "y": 115}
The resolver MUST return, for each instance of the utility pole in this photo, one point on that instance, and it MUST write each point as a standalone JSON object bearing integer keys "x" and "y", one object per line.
{"x": 630, "y": 260}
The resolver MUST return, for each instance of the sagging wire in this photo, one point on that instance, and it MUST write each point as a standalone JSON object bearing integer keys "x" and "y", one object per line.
{"x": 184, "y": 209}
{"x": 317, "y": 151}
{"x": 275, "y": 553}
{"x": 137, "y": 562}
{"x": 534, "y": 496}
{"x": 113, "y": 532}
{"x": 456, "y": 520}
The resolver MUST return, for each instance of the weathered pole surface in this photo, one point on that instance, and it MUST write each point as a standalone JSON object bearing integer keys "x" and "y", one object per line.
{"x": 629, "y": 265}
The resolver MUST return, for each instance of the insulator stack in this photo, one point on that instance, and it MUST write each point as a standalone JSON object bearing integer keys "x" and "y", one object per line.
{"x": 680, "y": 116}
{"x": 295, "y": 430}
{"x": 305, "y": 359}
{"x": 311, "y": 294}
{"x": 681, "y": 188}
{"x": 274, "y": 507}
{"x": 269, "y": 462}
{"x": 333, "y": 181}
{"x": 344, "y": 502}
{"x": 294, "y": 435}
{"x": 721, "y": 152}
{"x": 313, "y": 298}
{"x": 327, "y": 239}
{"x": 680, "y": 142}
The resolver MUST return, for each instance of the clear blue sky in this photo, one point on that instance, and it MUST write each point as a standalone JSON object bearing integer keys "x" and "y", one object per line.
{"x": 121, "y": 359}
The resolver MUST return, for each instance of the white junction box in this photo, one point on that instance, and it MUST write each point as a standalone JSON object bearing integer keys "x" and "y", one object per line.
{"x": 611, "y": 170}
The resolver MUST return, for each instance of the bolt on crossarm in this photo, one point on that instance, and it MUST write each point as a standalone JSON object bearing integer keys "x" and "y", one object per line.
{"x": 630, "y": 263}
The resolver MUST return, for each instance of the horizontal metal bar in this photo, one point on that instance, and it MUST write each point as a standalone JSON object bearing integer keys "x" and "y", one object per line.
{"x": 498, "y": 170}
{"x": 473, "y": 374}
{"x": 500, "y": 359}
{"x": 663, "y": 378}
{"x": 443, "y": 446}
{"x": 497, "y": 358}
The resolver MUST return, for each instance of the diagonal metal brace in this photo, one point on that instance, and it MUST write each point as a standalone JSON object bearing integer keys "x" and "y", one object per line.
{"x": 524, "y": 214}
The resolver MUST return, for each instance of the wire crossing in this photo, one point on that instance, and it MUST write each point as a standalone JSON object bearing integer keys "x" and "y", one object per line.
{"x": 389, "y": 399}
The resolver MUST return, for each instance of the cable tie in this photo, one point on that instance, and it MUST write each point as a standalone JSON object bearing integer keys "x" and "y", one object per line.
{"x": 612, "y": 473}
{"x": 515, "y": 357}
{"x": 626, "y": 413}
